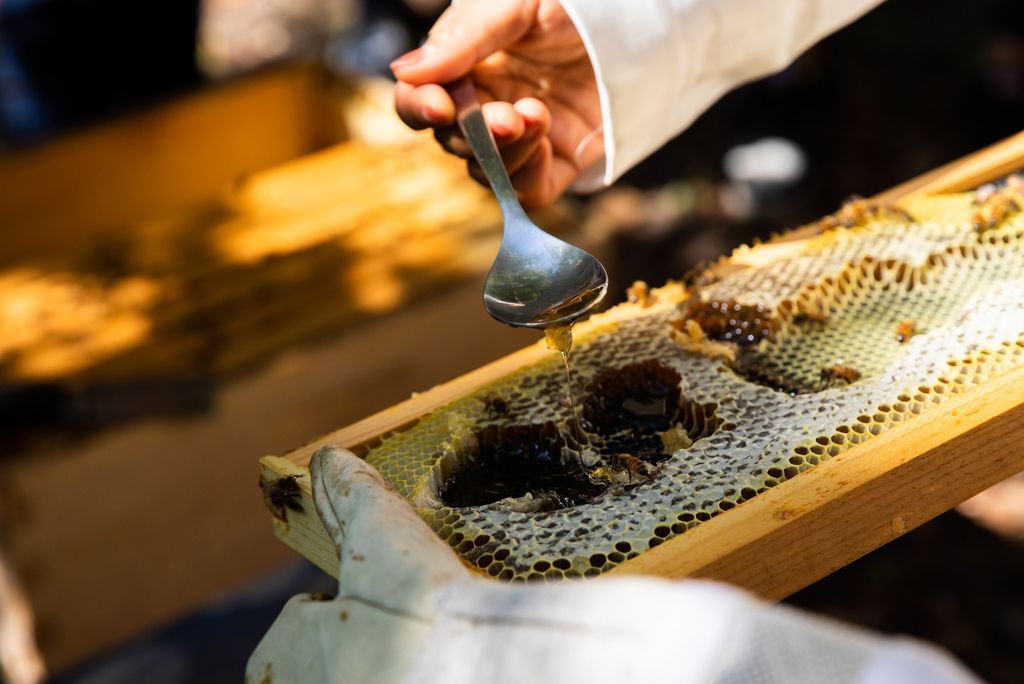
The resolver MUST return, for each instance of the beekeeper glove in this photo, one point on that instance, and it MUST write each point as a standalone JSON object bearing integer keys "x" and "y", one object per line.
{"x": 408, "y": 610}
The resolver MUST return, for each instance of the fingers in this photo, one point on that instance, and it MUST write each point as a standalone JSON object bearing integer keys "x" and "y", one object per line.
{"x": 521, "y": 132}
{"x": 538, "y": 174}
{"x": 516, "y": 128}
{"x": 544, "y": 176}
{"x": 533, "y": 181}
{"x": 505, "y": 123}
{"x": 368, "y": 520}
{"x": 536, "y": 124}
{"x": 425, "y": 106}
{"x": 467, "y": 33}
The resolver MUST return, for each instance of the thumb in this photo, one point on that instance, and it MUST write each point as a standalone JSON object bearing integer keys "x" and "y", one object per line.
{"x": 466, "y": 33}
{"x": 387, "y": 553}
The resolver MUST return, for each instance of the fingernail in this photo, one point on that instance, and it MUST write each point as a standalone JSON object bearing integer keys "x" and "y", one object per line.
{"x": 410, "y": 58}
{"x": 501, "y": 131}
{"x": 431, "y": 114}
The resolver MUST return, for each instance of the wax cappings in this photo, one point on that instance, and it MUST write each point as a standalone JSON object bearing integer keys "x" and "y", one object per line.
{"x": 833, "y": 371}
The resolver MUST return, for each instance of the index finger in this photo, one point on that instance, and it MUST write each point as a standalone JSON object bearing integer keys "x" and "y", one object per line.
{"x": 466, "y": 33}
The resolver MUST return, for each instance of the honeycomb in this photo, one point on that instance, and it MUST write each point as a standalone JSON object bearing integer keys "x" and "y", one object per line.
{"x": 693, "y": 404}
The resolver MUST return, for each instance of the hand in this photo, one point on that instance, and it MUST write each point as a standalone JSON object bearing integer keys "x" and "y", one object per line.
{"x": 409, "y": 610}
{"x": 534, "y": 77}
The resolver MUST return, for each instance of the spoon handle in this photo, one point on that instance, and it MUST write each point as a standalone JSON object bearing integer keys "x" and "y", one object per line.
{"x": 471, "y": 120}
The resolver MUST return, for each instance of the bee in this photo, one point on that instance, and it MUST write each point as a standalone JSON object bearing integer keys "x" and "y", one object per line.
{"x": 984, "y": 193}
{"x": 854, "y": 211}
{"x": 1000, "y": 208}
{"x": 995, "y": 205}
{"x": 905, "y": 329}
{"x": 639, "y": 293}
{"x": 496, "y": 405}
{"x": 635, "y": 466}
{"x": 282, "y": 495}
{"x": 857, "y": 211}
{"x": 847, "y": 374}
{"x": 811, "y": 314}
{"x": 978, "y": 221}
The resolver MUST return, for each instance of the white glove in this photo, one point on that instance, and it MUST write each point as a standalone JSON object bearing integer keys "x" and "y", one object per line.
{"x": 20, "y": 662}
{"x": 408, "y": 610}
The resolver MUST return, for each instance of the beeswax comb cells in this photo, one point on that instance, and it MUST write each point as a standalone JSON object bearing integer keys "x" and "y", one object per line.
{"x": 694, "y": 401}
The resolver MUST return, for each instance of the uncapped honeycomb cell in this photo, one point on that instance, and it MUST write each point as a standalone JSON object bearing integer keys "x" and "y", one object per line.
{"x": 729, "y": 321}
{"x": 510, "y": 461}
{"x": 873, "y": 322}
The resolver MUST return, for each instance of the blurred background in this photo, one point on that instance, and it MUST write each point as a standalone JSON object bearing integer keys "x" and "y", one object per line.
{"x": 217, "y": 243}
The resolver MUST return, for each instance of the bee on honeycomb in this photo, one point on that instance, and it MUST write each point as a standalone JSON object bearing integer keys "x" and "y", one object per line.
{"x": 994, "y": 205}
{"x": 841, "y": 372}
{"x": 905, "y": 329}
{"x": 858, "y": 211}
{"x": 636, "y": 468}
{"x": 639, "y": 293}
{"x": 624, "y": 469}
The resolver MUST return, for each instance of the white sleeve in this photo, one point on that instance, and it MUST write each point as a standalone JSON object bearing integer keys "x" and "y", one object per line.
{"x": 661, "y": 63}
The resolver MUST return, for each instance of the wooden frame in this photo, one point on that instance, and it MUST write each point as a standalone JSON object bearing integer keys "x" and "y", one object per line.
{"x": 807, "y": 527}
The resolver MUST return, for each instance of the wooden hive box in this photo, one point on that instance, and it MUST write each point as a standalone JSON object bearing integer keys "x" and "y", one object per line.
{"x": 800, "y": 528}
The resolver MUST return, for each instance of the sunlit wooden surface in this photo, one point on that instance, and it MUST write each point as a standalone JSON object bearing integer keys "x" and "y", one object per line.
{"x": 291, "y": 299}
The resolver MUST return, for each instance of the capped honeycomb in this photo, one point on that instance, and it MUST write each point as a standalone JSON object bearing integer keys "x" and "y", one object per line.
{"x": 699, "y": 400}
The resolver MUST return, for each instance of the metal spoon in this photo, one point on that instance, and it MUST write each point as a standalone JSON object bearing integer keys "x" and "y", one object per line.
{"x": 537, "y": 280}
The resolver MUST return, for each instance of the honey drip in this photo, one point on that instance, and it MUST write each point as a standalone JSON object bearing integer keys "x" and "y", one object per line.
{"x": 559, "y": 339}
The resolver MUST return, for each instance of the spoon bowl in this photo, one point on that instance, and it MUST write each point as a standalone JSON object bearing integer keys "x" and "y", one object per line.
{"x": 537, "y": 280}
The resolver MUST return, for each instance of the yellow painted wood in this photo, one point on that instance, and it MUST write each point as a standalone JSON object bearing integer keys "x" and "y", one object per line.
{"x": 160, "y": 160}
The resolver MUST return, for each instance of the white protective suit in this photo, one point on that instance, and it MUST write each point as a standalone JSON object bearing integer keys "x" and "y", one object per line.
{"x": 407, "y": 610}
{"x": 661, "y": 63}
